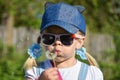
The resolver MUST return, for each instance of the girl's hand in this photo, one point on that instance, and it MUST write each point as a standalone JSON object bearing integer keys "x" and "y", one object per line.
{"x": 49, "y": 74}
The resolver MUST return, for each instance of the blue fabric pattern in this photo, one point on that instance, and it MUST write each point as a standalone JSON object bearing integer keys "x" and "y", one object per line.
{"x": 65, "y": 16}
{"x": 82, "y": 53}
{"x": 34, "y": 51}
{"x": 83, "y": 71}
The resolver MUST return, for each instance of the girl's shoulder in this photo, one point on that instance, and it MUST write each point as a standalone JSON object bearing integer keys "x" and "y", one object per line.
{"x": 92, "y": 72}
{"x": 95, "y": 72}
{"x": 36, "y": 71}
{"x": 91, "y": 68}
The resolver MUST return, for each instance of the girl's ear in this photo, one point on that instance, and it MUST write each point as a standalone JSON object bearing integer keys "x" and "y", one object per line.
{"x": 80, "y": 43}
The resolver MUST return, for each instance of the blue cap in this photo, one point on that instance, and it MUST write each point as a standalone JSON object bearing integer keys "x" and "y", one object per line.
{"x": 65, "y": 16}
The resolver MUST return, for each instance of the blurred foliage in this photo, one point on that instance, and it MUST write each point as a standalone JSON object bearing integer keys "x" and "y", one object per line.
{"x": 102, "y": 16}
{"x": 110, "y": 68}
{"x": 11, "y": 63}
{"x": 26, "y": 12}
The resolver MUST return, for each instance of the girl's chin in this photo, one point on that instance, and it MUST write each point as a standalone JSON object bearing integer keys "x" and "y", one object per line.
{"x": 59, "y": 60}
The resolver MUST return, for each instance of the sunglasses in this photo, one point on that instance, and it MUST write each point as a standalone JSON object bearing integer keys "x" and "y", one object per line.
{"x": 66, "y": 39}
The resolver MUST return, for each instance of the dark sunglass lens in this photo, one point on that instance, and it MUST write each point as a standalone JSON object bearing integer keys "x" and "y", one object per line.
{"x": 66, "y": 40}
{"x": 48, "y": 39}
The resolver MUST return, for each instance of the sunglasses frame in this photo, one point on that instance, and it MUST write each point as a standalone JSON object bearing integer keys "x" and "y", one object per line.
{"x": 57, "y": 37}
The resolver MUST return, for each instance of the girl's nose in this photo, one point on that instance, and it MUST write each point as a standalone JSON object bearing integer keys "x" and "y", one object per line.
{"x": 57, "y": 42}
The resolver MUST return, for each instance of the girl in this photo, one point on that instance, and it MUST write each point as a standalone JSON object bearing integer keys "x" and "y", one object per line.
{"x": 62, "y": 34}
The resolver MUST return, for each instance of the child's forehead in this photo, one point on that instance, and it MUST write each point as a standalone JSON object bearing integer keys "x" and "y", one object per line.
{"x": 55, "y": 30}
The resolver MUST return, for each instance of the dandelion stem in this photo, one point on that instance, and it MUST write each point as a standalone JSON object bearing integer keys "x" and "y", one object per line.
{"x": 52, "y": 56}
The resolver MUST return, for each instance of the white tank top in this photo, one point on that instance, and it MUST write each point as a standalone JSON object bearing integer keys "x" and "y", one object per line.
{"x": 70, "y": 73}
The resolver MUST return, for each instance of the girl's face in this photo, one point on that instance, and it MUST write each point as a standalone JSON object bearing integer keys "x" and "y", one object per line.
{"x": 63, "y": 52}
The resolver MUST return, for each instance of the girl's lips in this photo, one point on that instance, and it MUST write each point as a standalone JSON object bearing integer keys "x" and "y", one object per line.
{"x": 57, "y": 52}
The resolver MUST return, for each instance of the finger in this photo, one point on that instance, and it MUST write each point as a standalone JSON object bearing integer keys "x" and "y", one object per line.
{"x": 52, "y": 77}
{"x": 52, "y": 73}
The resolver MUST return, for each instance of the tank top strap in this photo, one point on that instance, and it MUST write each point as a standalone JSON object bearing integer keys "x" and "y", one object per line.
{"x": 83, "y": 71}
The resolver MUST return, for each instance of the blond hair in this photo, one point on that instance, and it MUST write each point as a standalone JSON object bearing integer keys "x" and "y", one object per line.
{"x": 30, "y": 62}
{"x": 90, "y": 59}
